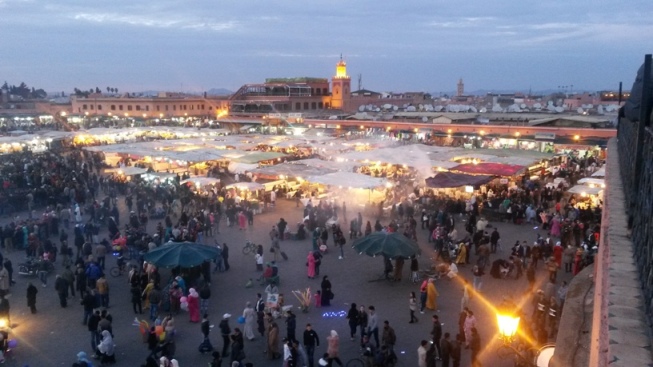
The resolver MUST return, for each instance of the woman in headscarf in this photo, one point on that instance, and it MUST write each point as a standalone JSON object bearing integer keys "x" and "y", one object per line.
{"x": 194, "y": 305}
{"x": 182, "y": 284}
{"x": 249, "y": 314}
{"x": 310, "y": 263}
{"x": 326, "y": 291}
{"x": 83, "y": 358}
{"x": 333, "y": 348}
{"x": 431, "y": 296}
{"x": 106, "y": 348}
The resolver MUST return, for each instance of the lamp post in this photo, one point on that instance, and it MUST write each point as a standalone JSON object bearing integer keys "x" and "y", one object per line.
{"x": 508, "y": 324}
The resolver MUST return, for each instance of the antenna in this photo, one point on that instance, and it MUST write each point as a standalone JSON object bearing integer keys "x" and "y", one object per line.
{"x": 360, "y": 81}
{"x": 341, "y": 56}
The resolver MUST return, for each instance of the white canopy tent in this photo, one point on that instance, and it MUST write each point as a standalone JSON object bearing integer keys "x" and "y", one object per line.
{"x": 202, "y": 181}
{"x": 127, "y": 171}
{"x": 585, "y": 190}
{"x": 592, "y": 181}
{"x": 599, "y": 173}
{"x": 349, "y": 179}
{"x": 251, "y": 186}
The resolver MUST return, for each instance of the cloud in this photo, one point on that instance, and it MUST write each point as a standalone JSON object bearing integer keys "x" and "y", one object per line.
{"x": 155, "y": 22}
{"x": 462, "y": 22}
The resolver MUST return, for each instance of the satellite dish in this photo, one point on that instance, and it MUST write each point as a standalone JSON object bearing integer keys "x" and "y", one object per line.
{"x": 483, "y": 110}
{"x": 425, "y": 119}
{"x": 590, "y": 106}
{"x": 377, "y": 110}
{"x": 537, "y": 106}
{"x": 496, "y": 108}
{"x": 437, "y": 108}
{"x": 549, "y": 103}
{"x": 472, "y": 109}
{"x": 361, "y": 108}
{"x": 559, "y": 109}
{"x": 387, "y": 106}
{"x": 395, "y": 108}
{"x": 599, "y": 110}
{"x": 580, "y": 110}
{"x": 523, "y": 105}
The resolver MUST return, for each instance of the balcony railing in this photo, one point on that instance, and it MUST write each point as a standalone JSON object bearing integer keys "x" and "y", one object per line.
{"x": 635, "y": 144}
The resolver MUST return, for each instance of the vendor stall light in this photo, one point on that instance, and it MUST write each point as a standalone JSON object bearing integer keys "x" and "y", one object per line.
{"x": 63, "y": 113}
{"x": 86, "y": 113}
{"x": 109, "y": 114}
{"x": 126, "y": 114}
{"x": 144, "y": 115}
{"x": 362, "y": 127}
{"x": 448, "y": 131}
{"x": 388, "y": 185}
{"x": 603, "y": 186}
{"x": 416, "y": 130}
{"x": 337, "y": 126}
{"x": 517, "y": 134}
{"x": 469, "y": 189}
{"x": 583, "y": 194}
{"x": 592, "y": 185}
{"x": 481, "y": 132}
{"x": 576, "y": 137}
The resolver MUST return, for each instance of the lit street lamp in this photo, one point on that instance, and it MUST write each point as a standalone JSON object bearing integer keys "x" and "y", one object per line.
{"x": 508, "y": 324}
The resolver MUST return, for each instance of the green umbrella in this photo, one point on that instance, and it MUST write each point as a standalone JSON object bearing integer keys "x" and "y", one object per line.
{"x": 392, "y": 245}
{"x": 183, "y": 254}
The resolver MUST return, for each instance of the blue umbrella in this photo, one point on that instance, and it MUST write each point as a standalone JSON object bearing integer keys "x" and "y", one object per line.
{"x": 183, "y": 254}
{"x": 392, "y": 245}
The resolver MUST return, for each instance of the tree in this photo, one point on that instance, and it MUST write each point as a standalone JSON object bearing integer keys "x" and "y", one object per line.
{"x": 108, "y": 90}
{"x": 97, "y": 90}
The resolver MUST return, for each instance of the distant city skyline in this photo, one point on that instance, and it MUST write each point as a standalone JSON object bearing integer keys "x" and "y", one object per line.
{"x": 397, "y": 46}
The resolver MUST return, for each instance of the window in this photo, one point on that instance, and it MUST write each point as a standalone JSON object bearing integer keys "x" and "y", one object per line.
{"x": 138, "y": 107}
{"x": 120, "y": 107}
{"x": 147, "y": 108}
{"x": 129, "y": 107}
{"x": 320, "y": 105}
{"x": 325, "y": 91}
{"x": 202, "y": 106}
{"x": 306, "y": 105}
{"x": 113, "y": 107}
{"x": 157, "y": 108}
{"x": 99, "y": 107}
{"x": 174, "y": 107}
{"x": 298, "y": 106}
{"x": 313, "y": 106}
{"x": 84, "y": 107}
{"x": 166, "y": 107}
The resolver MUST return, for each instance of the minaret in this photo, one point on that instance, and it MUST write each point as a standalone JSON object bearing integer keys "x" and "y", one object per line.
{"x": 461, "y": 87}
{"x": 340, "y": 86}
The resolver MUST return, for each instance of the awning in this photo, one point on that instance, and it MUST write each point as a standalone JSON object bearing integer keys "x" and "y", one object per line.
{"x": 449, "y": 179}
{"x": 494, "y": 169}
{"x": 585, "y": 190}
{"x": 201, "y": 181}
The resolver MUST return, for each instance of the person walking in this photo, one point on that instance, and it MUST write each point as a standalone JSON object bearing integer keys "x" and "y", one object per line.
{"x": 250, "y": 319}
{"x": 273, "y": 341}
{"x": 431, "y": 296}
{"x": 102, "y": 287}
{"x": 311, "y": 340}
{"x": 475, "y": 346}
{"x": 326, "y": 291}
{"x": 310, "y": 263}
{"x": 352, "y": 317}
{"x": 421, "y": 354}
{"x": 470, "y": 323}
{"x": 31, "y": 297}
{"x": 373, "y": 325}
{"x": 137, "y": 304}
{"x": 225, "y": 331}
{"x": 412, "y": 306}
{"x": 445, "y": 350}
{"x": 436, "y": 334}
{"x": 333, "y": 348}
{"x": 291, "y": 326}
{"x": 455, "y": 350}
{"x": 61, "y": 286}
{"x": 205, "y": 295}
{"x": 389, "y": 337}
{"x": 362, "y": 322}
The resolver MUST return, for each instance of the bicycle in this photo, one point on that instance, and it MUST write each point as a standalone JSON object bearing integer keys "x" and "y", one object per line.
{"x": 249, "y": 248}
{"x": 119, "y": 269}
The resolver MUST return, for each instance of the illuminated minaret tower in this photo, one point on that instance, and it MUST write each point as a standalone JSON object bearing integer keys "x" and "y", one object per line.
{"x": 340, "y": 86}
{"x": 461, "y": 88}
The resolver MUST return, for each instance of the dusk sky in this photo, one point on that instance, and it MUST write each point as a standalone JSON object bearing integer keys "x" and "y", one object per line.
{"x": 406, "y": 45}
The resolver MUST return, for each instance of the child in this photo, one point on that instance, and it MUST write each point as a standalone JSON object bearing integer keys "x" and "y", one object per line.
{"x": 318, "y": 299}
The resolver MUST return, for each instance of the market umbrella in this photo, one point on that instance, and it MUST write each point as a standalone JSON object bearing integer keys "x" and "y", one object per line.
{"x": 392, "y": 245}
{"x": 183, "y": 254}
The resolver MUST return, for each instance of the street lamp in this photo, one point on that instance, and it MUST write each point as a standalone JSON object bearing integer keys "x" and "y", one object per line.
{"x": 508, "y": 324}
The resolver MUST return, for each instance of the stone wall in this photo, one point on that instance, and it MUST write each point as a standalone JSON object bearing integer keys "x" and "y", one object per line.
{"x": 619, "y": 333}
